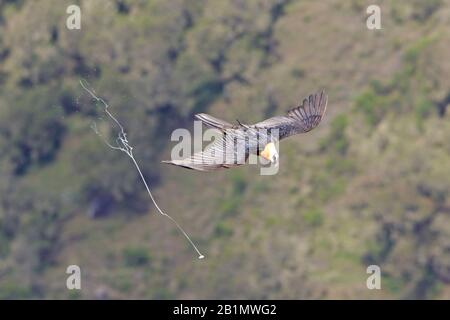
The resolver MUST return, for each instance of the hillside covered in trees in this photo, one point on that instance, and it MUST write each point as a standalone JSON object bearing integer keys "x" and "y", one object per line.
{"x": 370, "y": 185}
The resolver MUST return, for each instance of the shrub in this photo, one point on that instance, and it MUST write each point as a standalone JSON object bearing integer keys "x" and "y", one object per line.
{"x": 223, "y": 230}
{"x": 422, "y": 10}
{"x": 367, "y": 103}
{"x": 136, "y": 257}
{"x": 313, "y": 217}
{"x": 423, "y": 109}
{"x": 337, "y": 139}
{"x": 31, "y": 129}
{"x": 239, "y": 184}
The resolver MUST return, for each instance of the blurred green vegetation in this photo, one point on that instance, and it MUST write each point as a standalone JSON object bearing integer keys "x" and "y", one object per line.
{"x": 369, "y": 186}
{"x": 136, "y": 256}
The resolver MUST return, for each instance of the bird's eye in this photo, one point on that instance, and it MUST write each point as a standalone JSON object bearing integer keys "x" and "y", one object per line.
{"x": 274, "y": 158}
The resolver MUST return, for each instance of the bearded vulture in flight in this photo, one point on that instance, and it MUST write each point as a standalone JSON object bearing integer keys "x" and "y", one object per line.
{"x": 238, "y": 141}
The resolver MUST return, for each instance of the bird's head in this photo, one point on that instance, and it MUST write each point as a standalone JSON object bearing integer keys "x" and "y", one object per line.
{"x": 270, "y": 153}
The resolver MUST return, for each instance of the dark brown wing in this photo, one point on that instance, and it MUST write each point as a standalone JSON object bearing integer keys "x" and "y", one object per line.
{"x": 300, "y": 119}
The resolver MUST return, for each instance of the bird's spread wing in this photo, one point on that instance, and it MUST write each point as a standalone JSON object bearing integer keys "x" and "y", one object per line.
{"x": 225, "y": 152}
{"x": 213, "y": 121}
{"x": 300, "y": 119}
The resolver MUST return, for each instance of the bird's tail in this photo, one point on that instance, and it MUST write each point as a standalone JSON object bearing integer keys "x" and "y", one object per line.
{"x": 173, "y": 162}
